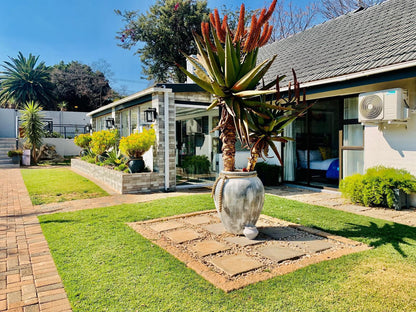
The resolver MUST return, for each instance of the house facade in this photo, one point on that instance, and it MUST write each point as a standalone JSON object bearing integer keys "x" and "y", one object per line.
{"x": 359, "y": 70}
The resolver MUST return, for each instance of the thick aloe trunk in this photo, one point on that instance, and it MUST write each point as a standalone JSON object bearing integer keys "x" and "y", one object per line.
{"x": 228, "y": 138}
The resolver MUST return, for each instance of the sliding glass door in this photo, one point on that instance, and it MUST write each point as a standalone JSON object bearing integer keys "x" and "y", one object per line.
{"x": 328, "y": 144}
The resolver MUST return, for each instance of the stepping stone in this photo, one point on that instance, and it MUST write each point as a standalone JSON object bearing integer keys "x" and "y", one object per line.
{"x": 279, "y": 254}
{"x": 181, "y": 236}
{"x": 312, "y": 245}
{"x": 166, "y": 226}
{"x": 236, "y": 264}
{"x": 243, "y": 241}
{"x": 198, "y": 220}
{"x": 216, "y": 228}
{"x": 206, "y": 248}
{"x": 278, "y": 232}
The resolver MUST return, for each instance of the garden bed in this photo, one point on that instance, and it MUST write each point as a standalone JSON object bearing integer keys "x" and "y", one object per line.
{"x": 122, "y": 183}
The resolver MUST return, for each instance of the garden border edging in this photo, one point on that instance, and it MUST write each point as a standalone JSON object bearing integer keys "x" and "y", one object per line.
{"x": 122, "y": 183}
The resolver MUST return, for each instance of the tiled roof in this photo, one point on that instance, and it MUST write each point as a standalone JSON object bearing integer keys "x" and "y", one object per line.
{"x": 375, "y": 37}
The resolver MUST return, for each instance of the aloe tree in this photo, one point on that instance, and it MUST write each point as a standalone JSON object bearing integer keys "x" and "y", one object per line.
{"x": 33, "y": 127}
{"x": 24, "y": 80}
{"x": 226, "y": 66}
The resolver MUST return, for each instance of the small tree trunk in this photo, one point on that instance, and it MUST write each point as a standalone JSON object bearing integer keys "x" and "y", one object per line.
{"x": 252, "y": 161}
{"x": 228, "y": 137}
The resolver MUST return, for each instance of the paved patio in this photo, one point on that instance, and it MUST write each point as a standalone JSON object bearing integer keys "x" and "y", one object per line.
{"x": 29, "y": 280}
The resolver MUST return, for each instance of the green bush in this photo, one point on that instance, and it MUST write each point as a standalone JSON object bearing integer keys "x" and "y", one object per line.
{"x": 197, "y": 164}
{"x": 102, "y": 141}
{"x": 13, "y": 153}
{"x": 376, "y": 187}
{"x": 268, "y": 174}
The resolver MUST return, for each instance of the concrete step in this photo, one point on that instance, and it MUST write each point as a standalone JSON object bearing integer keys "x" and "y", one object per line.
{"x": 9, "y": 166}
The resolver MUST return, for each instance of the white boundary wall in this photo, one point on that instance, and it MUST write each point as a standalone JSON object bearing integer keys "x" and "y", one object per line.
{"x": 8, "y": 120}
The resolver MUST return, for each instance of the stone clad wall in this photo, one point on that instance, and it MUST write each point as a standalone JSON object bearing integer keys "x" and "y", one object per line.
{"x": 122, "y": 183}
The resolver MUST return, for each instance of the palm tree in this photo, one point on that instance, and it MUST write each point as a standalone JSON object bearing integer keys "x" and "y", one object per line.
{"x": 23, "y": 80}
{"x": 33, "y": 127}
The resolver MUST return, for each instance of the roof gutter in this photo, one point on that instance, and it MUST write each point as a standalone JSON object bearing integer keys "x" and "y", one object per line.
{"x": 127, "y": 99}
{"x": 361, "y": 74}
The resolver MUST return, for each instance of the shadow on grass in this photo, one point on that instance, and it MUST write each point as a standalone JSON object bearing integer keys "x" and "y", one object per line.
{"x": 393, "y": 234}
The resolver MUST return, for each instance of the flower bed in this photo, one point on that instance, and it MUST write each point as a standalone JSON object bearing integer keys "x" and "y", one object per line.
{"x": 122, "y": 183}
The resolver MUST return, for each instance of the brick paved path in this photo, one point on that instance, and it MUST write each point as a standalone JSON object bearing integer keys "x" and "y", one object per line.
{"x": 29, "y": 280}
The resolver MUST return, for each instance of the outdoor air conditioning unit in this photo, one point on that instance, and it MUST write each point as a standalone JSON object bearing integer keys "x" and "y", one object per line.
{"x": 383, "y": 106}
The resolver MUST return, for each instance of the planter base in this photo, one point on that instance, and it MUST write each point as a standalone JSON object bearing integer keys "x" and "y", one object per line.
{"x": 239, "y": 199}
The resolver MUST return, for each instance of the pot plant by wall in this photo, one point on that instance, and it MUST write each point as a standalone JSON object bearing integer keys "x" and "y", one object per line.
{"x": 135, "y": 145}
{"x": 226, "y": 66}
{"x": 15, "y": 155}
{"x": 33, "y": 128}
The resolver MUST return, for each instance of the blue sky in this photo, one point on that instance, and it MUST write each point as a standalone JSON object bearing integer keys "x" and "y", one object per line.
{"x": 81, "y": 30}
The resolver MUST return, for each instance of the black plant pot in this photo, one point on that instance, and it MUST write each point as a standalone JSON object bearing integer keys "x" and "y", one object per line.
{"x": 136, "y": 165}
{"x": 16, "y": 159}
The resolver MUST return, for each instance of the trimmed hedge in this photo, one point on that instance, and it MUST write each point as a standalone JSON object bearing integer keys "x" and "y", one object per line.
{"x": 198, "y": 164}
{"x": 376, "y": 187}
{"x": 268, "y": 174}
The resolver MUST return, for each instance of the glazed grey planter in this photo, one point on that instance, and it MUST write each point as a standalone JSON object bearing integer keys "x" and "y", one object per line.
{"x": 239, "y": 199}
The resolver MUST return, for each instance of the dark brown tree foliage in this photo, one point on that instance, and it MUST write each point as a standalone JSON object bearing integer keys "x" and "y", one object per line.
{"x": 81, "y": 87}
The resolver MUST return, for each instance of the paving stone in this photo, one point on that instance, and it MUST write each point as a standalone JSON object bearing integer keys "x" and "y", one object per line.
{"x": 181, "y": 236}
{"x": 166, "y": 225}
{"x": 279, "y": 253}
{"x": 312, "y": 244}
{"x": 198, "y": 220}
{"x": 278, "y": 232}
{"x": 243, "y": 241}
{"x": 236, "y": 264}
{"x": 206, "y": 248}
{"x": 216, "y": 228}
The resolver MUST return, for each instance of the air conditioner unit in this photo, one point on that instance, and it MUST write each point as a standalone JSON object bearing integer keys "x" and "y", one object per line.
{"x": 383, "y": 106}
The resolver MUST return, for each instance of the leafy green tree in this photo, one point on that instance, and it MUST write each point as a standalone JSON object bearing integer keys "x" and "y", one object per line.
{"x": 80, "y": 87}
{"x": 24, "y": 79}
{"x": 163, "y": 32}
{"x": 33, "y": 128}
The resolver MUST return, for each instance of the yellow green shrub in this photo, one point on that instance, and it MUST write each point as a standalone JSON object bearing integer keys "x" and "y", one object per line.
{"x": 136, "y": 144}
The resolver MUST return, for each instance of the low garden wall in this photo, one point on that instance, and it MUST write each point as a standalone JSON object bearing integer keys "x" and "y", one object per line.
{"x": 122, "y": 183}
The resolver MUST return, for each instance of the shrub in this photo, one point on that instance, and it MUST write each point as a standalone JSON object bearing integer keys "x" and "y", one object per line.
{"x": 102, "y": 141}
{"x": 376, "y": 187}
{"x": 268, "y": 174}
{"x": 13, "y": 153}
{"x": 83, "y": 140}
{"x": 197, "y": 164}
{"x": 136, "y": 144}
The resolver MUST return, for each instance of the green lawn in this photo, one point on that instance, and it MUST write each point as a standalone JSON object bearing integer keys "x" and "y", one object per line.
{"x": 58, "y": 185}
{"x": 107, "y": 266}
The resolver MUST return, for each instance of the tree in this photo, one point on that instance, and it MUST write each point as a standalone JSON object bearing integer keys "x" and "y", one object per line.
{"x": 334, "y": 8}
{"x": 290, "y": 19}
{"x": 33, "y": 128}
{"x": 164, "y": 32}
{"x": 81, "y": 87}
{"x": 23, "y": 80}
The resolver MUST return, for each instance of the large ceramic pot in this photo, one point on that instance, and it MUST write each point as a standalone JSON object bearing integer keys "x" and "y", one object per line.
{"x": 136, "y": 165}
{"x": 239, "y": 199}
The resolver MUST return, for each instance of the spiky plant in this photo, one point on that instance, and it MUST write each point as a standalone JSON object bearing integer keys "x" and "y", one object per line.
{"x": 32, "y": 125}
{"x": 268, "y": 122}
{"x": 226, "y": 66}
